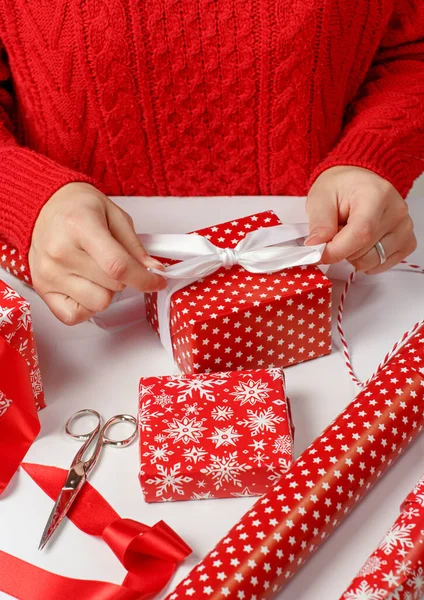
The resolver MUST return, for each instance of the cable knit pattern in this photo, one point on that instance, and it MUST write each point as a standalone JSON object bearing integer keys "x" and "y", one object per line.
{"x": 202, "y": 97}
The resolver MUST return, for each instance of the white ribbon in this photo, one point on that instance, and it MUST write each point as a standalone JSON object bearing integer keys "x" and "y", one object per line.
{"x": 266, "y": 250}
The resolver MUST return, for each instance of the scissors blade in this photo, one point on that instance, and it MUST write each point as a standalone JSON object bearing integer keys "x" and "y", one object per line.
{"x": 73, "y": 484}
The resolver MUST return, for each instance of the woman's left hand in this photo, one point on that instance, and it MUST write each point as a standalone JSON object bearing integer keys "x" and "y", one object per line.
{"x": 352, "y": 209}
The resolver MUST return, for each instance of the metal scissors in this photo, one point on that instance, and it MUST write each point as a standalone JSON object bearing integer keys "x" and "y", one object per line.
{"x": 80, "y": 468}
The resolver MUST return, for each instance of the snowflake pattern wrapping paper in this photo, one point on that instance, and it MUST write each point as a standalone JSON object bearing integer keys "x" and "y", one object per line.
{"x": 395, "y": 571}
{"x": 236, "y": 320}
{"x": 21, "y": 392}
{"x": 16, "y": 329}
{"x": 274, "y": 539}
{"x": 213, "y": 435}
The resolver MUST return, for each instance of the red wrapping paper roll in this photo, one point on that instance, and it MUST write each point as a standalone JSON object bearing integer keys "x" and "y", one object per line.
{"x": 394, "y": 571}
{"x": 272, "y": 541}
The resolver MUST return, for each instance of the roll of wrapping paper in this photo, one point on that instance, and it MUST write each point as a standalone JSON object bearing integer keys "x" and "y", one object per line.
{"x": 275, "y": 538}
{"x": 394, "y": 571}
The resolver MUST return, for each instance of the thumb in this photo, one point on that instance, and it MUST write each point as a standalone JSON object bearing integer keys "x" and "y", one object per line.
{"x": 322, "y": 210}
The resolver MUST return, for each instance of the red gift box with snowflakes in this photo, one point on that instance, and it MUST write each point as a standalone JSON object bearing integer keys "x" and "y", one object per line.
{"x": 235, "y": 320}
{"x": 16, "y": 329}
{"x": 213, "y": 435}
{"x": 395, "y": 570}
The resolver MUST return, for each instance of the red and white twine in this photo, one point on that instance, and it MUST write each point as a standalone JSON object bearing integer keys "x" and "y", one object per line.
{"x": 399, "y": 344}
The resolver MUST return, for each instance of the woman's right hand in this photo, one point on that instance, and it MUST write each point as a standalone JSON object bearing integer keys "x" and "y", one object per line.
{"x": 84, "y": 248}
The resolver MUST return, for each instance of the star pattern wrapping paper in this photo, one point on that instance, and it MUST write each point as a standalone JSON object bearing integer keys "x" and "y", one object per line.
{"x": 16, "y": 329}
{"x": 283, "y": 528}
{"x": 395, "y": 570}
{"x": 213, "y": 435}
{"x": 236, "y": 320}
{"x": 12, "y": 262}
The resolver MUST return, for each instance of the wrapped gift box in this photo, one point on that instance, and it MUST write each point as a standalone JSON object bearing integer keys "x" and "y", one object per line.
{"x": 16, "y": 330}
{"x": 395, "y": 570}
{"x": 235, "y": 320}
{"x": 213, "y": 436}
{"x": 21, "y": 392}
{"x": 14, "y": 263}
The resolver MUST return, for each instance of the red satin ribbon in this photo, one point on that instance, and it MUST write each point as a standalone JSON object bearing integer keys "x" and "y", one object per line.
{"x": 19, "y": 425}
{"x": 150, "y": 554}
{"x": 26, "y": 582}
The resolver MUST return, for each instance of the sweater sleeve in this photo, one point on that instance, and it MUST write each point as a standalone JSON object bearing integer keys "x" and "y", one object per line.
{"x": 384, "y": 130}
{"x": 27, "y": 179}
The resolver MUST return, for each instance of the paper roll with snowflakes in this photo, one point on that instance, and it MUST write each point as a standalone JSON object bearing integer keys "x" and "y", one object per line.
{"x": 275, "y": 538}
{"x": 395, "y": 570}
{"x": 213, "y": 436}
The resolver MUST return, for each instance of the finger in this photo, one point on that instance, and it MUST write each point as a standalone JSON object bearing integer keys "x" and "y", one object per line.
{"x": 395, "y": 258}
{"x": 322, "y": 210}
{"x": 66, "y": 309}
{"x": 401, "y": 237}
{"x": 390, "y": 221}
{"x": 88, "y": 294}
{"x": 361, "y": 231}
{"x": 391, "y": 262}
{"x": 84, "y": 266}
{"x": 77, "y": 262}
{"x": 115, "y": 261}
{"x": 121, "y": 227}
{"x": 371, "y": 259}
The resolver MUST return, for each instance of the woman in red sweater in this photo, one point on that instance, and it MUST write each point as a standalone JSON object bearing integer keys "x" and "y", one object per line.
{"x": 183, "y": 97}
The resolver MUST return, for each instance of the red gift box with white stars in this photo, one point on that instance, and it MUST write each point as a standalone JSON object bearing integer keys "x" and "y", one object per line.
{"x": 12, "y": 262}
{"x": 16, "y": 329}
{"x": 282, "y": 530}
{"x": 234, "y": 320}
{"x": 395, "y": 570}
{"x": 213, "y": 435}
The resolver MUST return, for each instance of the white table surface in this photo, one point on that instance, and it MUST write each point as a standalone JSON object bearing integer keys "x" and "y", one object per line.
{"x": 85, "y": 366}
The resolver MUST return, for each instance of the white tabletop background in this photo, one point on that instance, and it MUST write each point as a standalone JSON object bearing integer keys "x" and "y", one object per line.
{"x": 85, "y": 366}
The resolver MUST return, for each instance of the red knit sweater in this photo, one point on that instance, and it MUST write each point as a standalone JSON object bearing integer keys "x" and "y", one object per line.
{"x": 202, "y": 97}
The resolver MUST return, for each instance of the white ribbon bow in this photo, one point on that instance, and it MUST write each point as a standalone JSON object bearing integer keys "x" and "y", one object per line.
{"x": 266, "y": 250}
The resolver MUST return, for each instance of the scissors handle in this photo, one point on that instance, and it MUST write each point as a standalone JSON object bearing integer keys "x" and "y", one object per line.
{"x": 122, "y": 443}
{"x": 88, "y": 437}
{"x": 102, "y": 433}
{"x": 78, "y": 415}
